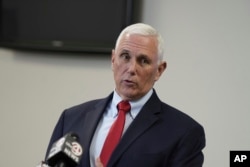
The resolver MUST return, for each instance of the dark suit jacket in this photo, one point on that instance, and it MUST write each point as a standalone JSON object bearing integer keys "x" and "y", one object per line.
{"x": 160, "y": 135}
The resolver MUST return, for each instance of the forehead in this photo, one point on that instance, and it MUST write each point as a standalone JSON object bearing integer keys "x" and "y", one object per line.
{"x": 139, "y": 44}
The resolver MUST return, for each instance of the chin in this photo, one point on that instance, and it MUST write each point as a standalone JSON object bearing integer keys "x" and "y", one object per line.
{"x": 132, "y": 97}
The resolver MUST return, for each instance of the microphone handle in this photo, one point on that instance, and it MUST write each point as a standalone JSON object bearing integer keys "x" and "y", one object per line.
{"x": 61, "y": 163}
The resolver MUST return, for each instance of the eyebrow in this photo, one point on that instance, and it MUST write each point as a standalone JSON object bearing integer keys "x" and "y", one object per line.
{"x": 143, "y": 56}
{"x": 125, "y": 51}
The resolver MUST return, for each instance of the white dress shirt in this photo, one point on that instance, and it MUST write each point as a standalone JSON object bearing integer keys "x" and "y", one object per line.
{"x": 108, "y": 119}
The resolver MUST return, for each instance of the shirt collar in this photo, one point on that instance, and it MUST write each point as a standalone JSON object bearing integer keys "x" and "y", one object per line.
{"x": 136, "y": 105}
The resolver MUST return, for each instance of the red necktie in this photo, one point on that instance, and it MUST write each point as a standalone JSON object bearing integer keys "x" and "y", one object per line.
{"x": 115, "y": 132}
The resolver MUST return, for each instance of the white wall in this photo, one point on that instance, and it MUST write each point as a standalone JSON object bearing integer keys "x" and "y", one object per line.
{"x": 208, "y": 54}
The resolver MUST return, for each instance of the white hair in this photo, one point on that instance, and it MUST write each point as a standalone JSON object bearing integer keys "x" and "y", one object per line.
{"x": 146, "y": 30}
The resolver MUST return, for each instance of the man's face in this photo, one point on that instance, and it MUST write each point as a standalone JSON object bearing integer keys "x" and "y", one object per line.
{"x": 136, "y": 66}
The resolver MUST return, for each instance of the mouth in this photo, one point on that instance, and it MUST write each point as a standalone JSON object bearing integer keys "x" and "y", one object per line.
{"x": 129, "y": 82}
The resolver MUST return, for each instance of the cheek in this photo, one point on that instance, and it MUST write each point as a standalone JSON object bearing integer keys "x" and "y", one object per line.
{"x": 149, "y": 77}
{"x": 120, "y": 67}
{"x": 117, "y": 70}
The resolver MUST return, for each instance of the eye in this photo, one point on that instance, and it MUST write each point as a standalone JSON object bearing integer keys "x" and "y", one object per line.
{"x": 125, "y": 56}
{"x": 144, "y": 60}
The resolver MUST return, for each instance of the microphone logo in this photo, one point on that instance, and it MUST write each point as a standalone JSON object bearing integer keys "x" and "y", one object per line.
{"x": 76, "y": 149}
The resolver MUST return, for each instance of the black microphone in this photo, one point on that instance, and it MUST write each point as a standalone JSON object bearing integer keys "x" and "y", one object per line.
{"x": 66, "y": 152}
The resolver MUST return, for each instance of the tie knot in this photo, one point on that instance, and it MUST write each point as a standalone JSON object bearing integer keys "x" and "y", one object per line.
{"x": 124, "y": 106}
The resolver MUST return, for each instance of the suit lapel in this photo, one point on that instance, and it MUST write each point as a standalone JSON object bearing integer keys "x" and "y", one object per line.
{"x": 90, "y": 123}
{"x": 144, "y": 120}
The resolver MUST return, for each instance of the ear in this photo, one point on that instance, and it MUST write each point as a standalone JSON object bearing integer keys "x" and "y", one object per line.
{"x": 112, "y": 58}
{"x": 160, "y": 70}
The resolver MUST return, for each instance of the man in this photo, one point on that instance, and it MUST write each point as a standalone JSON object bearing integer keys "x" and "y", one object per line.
{"x": 155, "y": 134}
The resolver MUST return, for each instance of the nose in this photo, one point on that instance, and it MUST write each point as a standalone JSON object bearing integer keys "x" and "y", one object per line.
{"x": 132, "y": 67}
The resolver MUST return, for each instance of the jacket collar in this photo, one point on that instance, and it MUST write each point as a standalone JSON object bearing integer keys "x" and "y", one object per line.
{"x": 144, "y": 120}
